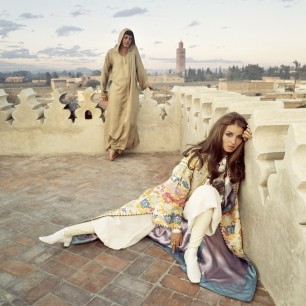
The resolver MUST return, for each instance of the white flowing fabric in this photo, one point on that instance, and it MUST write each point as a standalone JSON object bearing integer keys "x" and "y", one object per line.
{"x": 120, "y": 232}
{"x": 204, "y": 197}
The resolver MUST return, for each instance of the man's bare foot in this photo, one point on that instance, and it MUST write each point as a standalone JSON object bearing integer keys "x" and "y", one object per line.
{"x": 112, "y": 154}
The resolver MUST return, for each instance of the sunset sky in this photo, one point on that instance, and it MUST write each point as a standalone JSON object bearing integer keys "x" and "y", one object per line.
{"x": 68, "y": 34}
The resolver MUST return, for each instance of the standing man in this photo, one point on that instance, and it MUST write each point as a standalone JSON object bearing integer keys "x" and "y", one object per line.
{"x": 122, "y": 75}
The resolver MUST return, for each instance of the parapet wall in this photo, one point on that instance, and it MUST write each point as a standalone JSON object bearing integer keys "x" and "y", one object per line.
{"x": 272, "y": 197}
{"x": 30, "y": 128}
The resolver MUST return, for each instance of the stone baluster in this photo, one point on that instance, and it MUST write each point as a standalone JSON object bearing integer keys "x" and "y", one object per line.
{"x": 88, "y": 113}
{"x": 291, "y": 174}
{"x": 193, "y": 117}
{"x": 6, "y": 110}
{"x": 206, "y": 117}
{"x": 56, "y": 117}
{"x": 219, "y": 104}
{"x": 270, "y": 129}
{"x": 29, "y": 113}
{"x": 184, "y": 115}
{"x": 198, "y": 115}
{"x": 158, "y": 125}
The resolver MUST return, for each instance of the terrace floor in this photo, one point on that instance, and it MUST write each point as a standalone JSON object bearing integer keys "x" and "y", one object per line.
{"x": 42, "y": 194}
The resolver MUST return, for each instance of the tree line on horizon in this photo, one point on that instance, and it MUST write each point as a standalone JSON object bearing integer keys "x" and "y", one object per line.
{"x": 248, "y": 72}
{"x": 233, "y": 73}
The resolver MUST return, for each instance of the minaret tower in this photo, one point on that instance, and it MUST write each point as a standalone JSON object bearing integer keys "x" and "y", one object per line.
{"x": 180, "y": 58}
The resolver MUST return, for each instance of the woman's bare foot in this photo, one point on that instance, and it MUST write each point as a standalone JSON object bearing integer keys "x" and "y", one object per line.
{"x": 112, "y": 154}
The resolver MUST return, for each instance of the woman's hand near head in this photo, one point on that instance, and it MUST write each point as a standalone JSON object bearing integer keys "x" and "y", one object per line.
{"x": 247, "y": 134}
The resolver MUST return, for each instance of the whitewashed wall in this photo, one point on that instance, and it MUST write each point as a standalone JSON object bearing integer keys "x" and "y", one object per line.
{"x": 273, "y": 195}
{"x": 31, "y": 129}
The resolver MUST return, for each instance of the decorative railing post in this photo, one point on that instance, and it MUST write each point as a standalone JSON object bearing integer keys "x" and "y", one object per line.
{"x": 88, "y": 113}
{"x": 56, "y": 117}
{"x": 29, "y": 113}
{"x": 6, "y": 110}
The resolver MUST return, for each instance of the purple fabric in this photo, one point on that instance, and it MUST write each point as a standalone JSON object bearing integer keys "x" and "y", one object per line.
{"x": 217, "y": 263}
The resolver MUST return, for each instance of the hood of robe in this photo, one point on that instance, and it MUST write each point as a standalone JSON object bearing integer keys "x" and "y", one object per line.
{"x": 133, "y": 44}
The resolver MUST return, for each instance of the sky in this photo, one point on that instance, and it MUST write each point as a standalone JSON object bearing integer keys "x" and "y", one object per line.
{"x": 62, "y": 35}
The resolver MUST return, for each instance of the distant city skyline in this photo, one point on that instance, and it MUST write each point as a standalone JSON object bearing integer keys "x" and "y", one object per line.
{"x": 66, "y": 35}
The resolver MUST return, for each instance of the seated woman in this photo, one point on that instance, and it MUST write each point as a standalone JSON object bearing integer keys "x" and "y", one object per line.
{"x": 194, "y": 214}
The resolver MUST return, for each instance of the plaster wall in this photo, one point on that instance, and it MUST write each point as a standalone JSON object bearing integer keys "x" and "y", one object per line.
{"x": 273, "y": 195}
{"x": 274, "y": 217}
{"x": 29, "y": 128}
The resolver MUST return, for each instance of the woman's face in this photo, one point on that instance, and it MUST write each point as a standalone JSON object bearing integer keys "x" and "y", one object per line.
{"x": 232, "y": 138}
{"x": 126, "y": 41}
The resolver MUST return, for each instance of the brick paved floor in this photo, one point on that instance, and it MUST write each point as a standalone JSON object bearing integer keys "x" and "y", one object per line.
{"x": 40, "y": 195}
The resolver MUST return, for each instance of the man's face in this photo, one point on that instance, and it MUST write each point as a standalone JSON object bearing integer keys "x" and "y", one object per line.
{"x": 127, "y": 41}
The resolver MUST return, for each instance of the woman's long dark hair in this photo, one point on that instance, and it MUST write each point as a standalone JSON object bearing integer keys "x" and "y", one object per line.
{"x": 212, "y": 148}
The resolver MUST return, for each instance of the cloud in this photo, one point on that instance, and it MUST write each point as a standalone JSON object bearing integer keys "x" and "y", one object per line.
{"x": 192, "y": 46}
{"x": 190, "y": 60}
{"x": 158, "y": 42}
{"x": 4, "y": 13}
{"x": 164, "y": 59}
{"x": 225, "y": 28}
{"x": 9, "y": 66}
{"x": 193, "y": 24}
{"x": 216, "y": 61}
{"x": 14, "y": 46}
{"x": 8, "y": 26}
{"x": 67, "y": 30}
{"x": 216, "y": 46}
{"x": 75, "y": 51}
{"x": 289, "y": 3}
{"x": 130, "y": 12}
{"x": 17, "y": 53}
{"x": 89, "y": 53}
{"x": 79, "y": 12}
{"x": 111, "y": 7}
{"x": 30, "y": 16}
